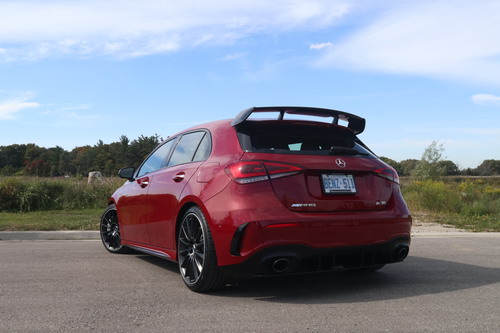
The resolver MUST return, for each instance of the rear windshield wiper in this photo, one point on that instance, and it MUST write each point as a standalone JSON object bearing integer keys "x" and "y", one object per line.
{"x": 345, "y": 151}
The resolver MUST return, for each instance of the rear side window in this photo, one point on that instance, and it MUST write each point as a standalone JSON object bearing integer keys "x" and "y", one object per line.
{"x": 188, "y": 146}
{"x": 203, "y": 149}
{"x": 300, "y": 139}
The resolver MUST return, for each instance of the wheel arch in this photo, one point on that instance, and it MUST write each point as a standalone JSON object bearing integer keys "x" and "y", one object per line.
{"x": 186, "y": 205}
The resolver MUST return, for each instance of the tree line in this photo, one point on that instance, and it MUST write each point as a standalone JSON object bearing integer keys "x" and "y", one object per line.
{"x": 32, "y": 160}
{"x": 432, "y": 165}
{"x": 446, "y": 167}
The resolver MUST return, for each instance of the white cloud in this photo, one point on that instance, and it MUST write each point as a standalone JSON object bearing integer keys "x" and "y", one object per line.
{"x": 233, "y": 56}
{"x": 449, "y": 39}
{"x": 73, "y": 115}
{"x": 320, "y": 46}
{"x": 486, "y": 99}
{"x": 127, "y": 28}
{"x": 9, "y": 108}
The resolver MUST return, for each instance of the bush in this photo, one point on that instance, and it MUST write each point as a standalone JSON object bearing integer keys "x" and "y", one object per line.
{"x": 9, "y": 194}
{"x": 465, "y": 197}
{"x": 40, "y": 196}
{"x": 24, "y": 194}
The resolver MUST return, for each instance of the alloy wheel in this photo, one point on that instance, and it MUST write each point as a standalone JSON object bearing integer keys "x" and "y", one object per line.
{"x": 191, "y": 249}
{"x": 110, "y": 230}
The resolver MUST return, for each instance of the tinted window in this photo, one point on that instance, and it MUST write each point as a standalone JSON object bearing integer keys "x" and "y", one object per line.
{"x": 287, "y": 138}
{"x": 156, "y": 160}
{"x": 203, "y": 149}
{"x": 186, "y": 148}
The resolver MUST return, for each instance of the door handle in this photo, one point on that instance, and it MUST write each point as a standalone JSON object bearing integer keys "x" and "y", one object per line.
{"x": 179, "y": 177}
{"x": 143, "y": 182}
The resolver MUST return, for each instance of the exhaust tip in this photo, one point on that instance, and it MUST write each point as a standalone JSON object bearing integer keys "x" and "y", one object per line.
{"x": 401, "y": 252}
{"x": 281, "y": 265}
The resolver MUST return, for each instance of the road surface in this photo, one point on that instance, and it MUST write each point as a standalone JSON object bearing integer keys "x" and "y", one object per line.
{"x": 447, "y": 284}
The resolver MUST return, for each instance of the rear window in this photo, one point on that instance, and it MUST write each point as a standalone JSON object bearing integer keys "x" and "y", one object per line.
{"x": 301, "y": 139}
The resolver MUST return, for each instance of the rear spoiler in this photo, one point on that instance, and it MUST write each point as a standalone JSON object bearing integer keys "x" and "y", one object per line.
{"x": 355, "y": 123}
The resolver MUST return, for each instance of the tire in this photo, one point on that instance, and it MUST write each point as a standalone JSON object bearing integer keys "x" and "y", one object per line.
{"x": 368, "y": 269}
{"x": 110, "y": 231}
{"x": 196, "y": 254}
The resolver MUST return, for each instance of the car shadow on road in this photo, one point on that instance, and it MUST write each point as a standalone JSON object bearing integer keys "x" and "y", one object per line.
{"x": 160, "y": 262}
{"x": 417, "y": 276}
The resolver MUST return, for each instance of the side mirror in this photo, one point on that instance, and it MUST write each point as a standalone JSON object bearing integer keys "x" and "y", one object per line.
{"x": 127, "y": 173}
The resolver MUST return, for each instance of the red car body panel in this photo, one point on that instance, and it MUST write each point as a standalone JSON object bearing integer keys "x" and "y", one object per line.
{"x": 317, "y": 230}
{"x": 149, "y": 208}
{"x": 134, "y": 211}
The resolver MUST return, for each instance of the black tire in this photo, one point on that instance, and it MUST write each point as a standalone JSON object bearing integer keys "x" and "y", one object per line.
{"x": 110, "y": 231}
{"x": 196, "y": 253}
{"x": 368, "y": 269}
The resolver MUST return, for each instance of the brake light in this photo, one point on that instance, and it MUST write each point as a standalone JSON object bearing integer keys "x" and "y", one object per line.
{"x": 245, "y": 172}
{"x": 388, "y": 173}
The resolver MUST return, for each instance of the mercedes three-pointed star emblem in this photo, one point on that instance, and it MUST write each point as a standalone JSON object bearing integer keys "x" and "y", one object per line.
{"x": 340, "y": 162}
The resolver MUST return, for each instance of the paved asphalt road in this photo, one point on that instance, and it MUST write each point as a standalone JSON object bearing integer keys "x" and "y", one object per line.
{"x": 448, "y": 284}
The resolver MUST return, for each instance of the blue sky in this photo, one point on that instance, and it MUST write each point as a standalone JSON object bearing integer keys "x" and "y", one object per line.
{"x": 74, "y": 72}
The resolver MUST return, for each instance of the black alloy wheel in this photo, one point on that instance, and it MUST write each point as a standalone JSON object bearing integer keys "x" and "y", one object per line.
{"x": 110, "y": 231}
{"x": 191, "y": 248}
{"x": 196, "y": 253}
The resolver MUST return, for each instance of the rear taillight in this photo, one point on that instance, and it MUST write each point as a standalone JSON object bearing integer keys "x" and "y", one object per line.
{"x": 388, "y": 173}
{"x": 245, "y": 172}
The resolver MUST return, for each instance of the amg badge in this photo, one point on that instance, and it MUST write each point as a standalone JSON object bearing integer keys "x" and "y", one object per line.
{"x": 296, "y": 205}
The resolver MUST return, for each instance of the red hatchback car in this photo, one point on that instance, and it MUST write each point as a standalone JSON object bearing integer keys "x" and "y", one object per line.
{"x": 257, "y": 197}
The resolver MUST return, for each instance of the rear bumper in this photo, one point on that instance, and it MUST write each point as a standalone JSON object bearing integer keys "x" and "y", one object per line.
{"x": 246, "y": 221}
{"x": 294, "y": 259}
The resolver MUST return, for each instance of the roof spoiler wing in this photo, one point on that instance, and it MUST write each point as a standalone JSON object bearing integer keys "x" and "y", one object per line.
{"x": 355, "y": 123}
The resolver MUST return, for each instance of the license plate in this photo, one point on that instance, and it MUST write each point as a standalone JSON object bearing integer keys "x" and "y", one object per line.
{"x": 338, "y": 183}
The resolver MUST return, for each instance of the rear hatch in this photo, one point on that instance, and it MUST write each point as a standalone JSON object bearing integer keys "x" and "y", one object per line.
{"x": 318, "y": 167}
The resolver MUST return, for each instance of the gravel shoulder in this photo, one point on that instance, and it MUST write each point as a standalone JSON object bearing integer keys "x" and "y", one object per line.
{"x": 431, "y": 227}
{"x": 424, "y": 224}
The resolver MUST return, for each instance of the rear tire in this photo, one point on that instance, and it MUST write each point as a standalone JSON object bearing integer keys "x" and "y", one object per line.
{"x": 196, "y": 254}
{"x": 110, "y": 231}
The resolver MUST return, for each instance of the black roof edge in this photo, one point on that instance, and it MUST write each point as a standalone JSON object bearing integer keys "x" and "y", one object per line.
{"x": 355, "y": 123}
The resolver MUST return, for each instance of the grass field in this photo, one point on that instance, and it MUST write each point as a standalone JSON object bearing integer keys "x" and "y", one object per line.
{"x": 85, "y": 219}
{"x": 471, "y": 203}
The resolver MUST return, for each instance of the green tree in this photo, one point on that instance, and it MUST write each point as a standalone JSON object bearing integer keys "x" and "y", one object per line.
{"x": 489, "y": 168}
{"x": 428, "y": 167}
{"x": 13, "y": 156}
{"x": 33, "y": 160}
{"x": 407, "y": 166}
{"x": 141, "y": 147}
{"x": 449, "y": 168}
